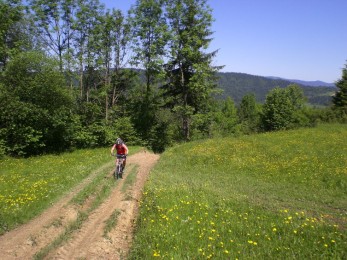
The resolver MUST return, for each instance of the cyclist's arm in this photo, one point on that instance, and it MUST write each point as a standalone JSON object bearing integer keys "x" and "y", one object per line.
{"x": 126, "y": 149}
{"x": 112, "y": 149}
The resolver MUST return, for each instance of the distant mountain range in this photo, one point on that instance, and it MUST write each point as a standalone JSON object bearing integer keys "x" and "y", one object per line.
{"x": 316, "y": 83}
{"x": 237, "y": 85}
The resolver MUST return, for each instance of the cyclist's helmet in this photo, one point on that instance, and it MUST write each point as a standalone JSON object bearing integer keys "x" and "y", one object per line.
{"x": 119, "y": 141}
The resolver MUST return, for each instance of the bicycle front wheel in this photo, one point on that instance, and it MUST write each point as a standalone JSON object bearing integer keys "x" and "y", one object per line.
{"x": 119, "y": 171}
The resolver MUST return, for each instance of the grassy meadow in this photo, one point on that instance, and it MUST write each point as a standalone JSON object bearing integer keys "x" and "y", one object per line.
{"x": 28, "y": 186}
{"x": 280, "y": 195}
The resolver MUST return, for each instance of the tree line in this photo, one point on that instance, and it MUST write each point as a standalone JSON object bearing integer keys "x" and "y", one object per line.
{"x": 74, "y": 74}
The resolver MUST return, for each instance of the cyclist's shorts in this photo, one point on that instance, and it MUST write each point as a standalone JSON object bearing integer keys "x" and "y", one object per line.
{"x": 121, "y": 156}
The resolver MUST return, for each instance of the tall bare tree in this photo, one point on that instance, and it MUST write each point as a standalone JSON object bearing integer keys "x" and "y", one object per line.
{"x": 54, "y": 20}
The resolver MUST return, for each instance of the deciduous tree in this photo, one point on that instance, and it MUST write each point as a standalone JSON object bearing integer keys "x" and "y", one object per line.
{"x": 149, "y": 31}
{"x": 14, "y": 27}
{"x": 54, "y": 19}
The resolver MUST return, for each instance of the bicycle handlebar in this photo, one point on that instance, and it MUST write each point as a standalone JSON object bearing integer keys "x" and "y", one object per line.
{"x": 120, "y": 155}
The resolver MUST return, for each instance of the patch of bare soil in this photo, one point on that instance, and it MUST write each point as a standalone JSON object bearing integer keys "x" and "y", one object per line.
{"x": 89, "y": 241}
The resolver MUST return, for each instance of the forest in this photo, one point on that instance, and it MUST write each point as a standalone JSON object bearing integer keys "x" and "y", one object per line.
{"x": 74, "y": 74}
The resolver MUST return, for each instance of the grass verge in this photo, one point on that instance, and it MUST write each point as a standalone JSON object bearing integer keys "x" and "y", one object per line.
{"x": 278, "y": 195}
{"x": 130, "y": 179}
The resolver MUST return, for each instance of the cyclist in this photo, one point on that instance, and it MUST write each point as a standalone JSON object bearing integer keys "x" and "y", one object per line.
{"x": 122, "y": 151}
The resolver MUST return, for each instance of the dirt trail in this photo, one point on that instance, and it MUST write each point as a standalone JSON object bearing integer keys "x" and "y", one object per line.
{"x": 88, "y": 242}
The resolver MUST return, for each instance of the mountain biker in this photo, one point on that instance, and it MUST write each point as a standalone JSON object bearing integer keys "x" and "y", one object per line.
{"x": 122, "y": 151}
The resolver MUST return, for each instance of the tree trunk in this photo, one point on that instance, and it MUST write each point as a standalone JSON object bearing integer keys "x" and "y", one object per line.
{"x": 185, "y": 119}
{"x": 81, "y": 78}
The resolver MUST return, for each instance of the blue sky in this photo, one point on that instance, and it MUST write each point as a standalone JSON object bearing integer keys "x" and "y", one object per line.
{"x": 292, "y": 39}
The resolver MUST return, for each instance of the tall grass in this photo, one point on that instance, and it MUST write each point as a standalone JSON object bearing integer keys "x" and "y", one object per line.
{"x": 275, "y": 195}
{"x": 28, "y": 186}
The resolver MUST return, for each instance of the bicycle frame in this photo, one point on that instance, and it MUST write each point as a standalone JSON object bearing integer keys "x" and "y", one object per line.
{"x": 119, "y": 166}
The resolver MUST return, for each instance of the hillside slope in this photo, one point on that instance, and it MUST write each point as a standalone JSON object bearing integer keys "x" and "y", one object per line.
{"x": 237, "y": 85}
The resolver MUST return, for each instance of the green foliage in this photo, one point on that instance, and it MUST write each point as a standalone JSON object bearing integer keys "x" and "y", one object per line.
{"x": 191, "y": 77}
{"x": 340, "y": 98}
{"x": 149, "y": 30}
{"x": 22, "y": 126}
{"x": 13, "y": 36}
{"x": 53, "y": 20}
{"x": 249, "y": 114}
{"x": 123, "y": 128}
{"x": 163, "y": 131}
{"x": 34, "y": 105}
{"x": 269, "y": 196}
{"x": 99, "y": 134}
{"x": 200, "y": 126}
{"x": 2, "y": 148}
{"x": 167, "y": 98}
{"x": 142, "y": 108}
{"x": 35, "y": 78}
{"x": 224, "y": 119}
{"x": 282, "y": 109}
{"x": 150, "y": 35}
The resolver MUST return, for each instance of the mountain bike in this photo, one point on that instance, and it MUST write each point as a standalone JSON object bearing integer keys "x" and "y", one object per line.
{"x": 118, "y": 173}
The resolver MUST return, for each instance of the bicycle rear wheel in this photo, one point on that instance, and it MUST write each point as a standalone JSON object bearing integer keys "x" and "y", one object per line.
{"x": 115, "y": 173}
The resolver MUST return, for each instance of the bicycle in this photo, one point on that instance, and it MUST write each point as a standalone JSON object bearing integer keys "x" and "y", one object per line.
{"x": 118, "y": 173}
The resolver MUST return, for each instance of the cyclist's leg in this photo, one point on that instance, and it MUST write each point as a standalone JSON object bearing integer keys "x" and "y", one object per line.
{"x": 123, "y": 163}
{"x": 115, "y": 168}
{"x": 119, "y": 158}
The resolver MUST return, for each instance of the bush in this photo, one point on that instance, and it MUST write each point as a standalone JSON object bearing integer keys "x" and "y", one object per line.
{"x": 2, "y": 148}
{"x": 162, "y": 132}
{"x": 122, "y": 127}
{"x": 34, "y": 104}
{"x": 283, "y": 109}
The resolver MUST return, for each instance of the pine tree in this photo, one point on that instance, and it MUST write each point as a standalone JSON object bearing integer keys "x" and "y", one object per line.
{"x": 191, "y": 76}
{"x": 340, "y": 98}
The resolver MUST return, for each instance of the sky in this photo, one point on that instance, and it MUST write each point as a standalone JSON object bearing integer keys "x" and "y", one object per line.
{"x": 291, "y": 39}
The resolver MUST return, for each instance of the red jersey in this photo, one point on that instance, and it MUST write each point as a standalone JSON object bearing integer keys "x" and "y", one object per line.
{"x": 121, "y": 149}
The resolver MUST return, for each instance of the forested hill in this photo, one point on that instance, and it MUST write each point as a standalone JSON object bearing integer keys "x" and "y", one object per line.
{"x": 237, "y": 85}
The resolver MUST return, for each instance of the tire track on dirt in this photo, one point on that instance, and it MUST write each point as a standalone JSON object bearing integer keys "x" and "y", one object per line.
{"x": 24, "y": 241}
{"x": 89, "y": 242}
